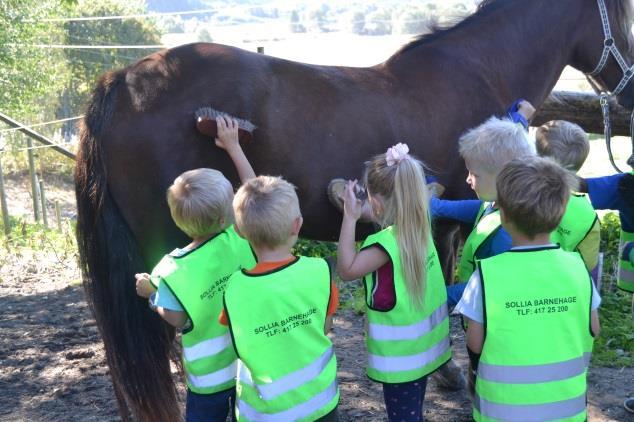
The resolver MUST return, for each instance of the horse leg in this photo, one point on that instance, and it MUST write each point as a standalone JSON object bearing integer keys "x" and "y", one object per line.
{"x": 447, "y": 238}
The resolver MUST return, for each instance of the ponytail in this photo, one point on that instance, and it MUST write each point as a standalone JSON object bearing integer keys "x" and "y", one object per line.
{"x": 400, "y": 181}
{"x": 412, "y": 226}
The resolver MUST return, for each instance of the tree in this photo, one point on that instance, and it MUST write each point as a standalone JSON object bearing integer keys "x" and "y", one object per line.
{"x": 204, "y": 35}
{"x": 357, "y": 23}
{"x": 296, "y": 26}
{"x": 30, "y": 75}
{"x": 379, "y": 23}
{"x": 87, "y": 65}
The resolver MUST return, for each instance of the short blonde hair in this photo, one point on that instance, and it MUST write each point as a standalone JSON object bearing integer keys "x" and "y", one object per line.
{"x": 566, "y": 142}
{"x": 494, "y": 143}
{"x": 265, "y": 208}
{"x": 200, "y": 201}
{"x": 533, "y": 193}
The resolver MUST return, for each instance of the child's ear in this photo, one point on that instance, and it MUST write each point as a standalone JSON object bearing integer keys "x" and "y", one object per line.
{"x": 297, "y": 225}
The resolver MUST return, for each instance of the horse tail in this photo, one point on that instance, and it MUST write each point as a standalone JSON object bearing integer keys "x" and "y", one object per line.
{"x": 137, "y": 342}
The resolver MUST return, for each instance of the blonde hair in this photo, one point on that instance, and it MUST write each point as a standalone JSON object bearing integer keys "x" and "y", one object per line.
{"x": 564, "y": 141}
{"x": 494, "y": 143}
{"x": 533, "y": 193}
{"x": 265, "y": 208}
{"x": 199, "y": 201}
{"x": 405, "y": 199}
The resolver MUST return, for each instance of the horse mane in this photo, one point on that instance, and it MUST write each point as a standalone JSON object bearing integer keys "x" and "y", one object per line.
{"x": 437, "y": 31}
{"x": 622, "y": 8}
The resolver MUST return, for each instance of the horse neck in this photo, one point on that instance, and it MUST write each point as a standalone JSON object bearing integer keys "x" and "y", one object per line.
{"x": 516, "y": 50}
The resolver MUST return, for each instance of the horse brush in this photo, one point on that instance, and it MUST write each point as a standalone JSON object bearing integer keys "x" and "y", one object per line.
{"x": 206, "y": 123}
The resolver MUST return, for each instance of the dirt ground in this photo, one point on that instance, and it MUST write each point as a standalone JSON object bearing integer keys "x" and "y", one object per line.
{"x": 52, "y": 364}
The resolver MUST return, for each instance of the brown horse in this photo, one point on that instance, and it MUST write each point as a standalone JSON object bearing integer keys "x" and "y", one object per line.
{"x": 314, "y": 123}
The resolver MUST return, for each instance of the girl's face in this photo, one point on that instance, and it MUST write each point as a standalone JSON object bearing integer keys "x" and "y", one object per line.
{"x": 481, "y": 180}
{"x": 377, "y": 205}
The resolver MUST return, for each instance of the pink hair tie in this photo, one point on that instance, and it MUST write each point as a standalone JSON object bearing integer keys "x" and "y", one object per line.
{"x": 396, "y": 154}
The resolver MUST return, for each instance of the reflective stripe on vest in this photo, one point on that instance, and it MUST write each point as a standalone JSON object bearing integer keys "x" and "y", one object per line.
{"x": 220, "y": 377}
{"x": 207, "y": 348}
{"x": 540, "y": 374}
{"x": 533, "y": 374}
{"x": 410, "y": 362}
{"x": 290, "y": 381}
{"x": 408, "y": 332}
{"x": 625, "y": 276}
{"x": 297, "y": 412}
{"x": 197, "y": 278}
{"x": 406, "y": 342}
{"x": 529, "y": 413}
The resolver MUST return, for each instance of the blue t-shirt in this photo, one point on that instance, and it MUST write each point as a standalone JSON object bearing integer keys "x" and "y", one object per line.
{"x": 604, "y": 195}
{"x": 466, "y": 211}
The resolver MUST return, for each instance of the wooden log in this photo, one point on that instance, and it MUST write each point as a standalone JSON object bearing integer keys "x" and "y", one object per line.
{"x": 58, "y": 217}
{"x": 43, "y": 198}
{"x": 34, "y": 183}
{"x": 583, "y": 109}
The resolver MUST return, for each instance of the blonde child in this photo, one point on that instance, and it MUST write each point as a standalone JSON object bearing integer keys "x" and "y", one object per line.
{"x": 279, "y": 313}
{"x": 191, "y": 280}
{"x": 532, "y": 310}
{"x": 408, "y": 325}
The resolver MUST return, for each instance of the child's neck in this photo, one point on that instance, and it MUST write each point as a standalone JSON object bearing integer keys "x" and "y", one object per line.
{"x": 280, "y": 253}
{"x": 197, "y": 241}
{"x": 519, "y": 239}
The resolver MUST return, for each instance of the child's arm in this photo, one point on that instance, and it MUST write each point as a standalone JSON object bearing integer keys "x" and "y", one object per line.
{"x": 475, "y": 336}
{"x": 589, "y": 247}
{"x": 465, "y": 210}
{"x": 175, "y": 318}
{"x": 144, "y": 287}
{"x": 350, "y": 263}
{"x": 228, "y": 140}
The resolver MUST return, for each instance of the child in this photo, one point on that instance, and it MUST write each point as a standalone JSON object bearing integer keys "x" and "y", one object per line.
{"x": 279, "y": 313}
{"x": 532, "y": 310}
{"x": 486, "y": 149}
{"x": 191, "y": 280}
{"x": 408, "y": 324}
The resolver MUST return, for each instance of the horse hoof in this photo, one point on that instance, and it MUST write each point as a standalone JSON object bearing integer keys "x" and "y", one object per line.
{"x": 449, "y": 376}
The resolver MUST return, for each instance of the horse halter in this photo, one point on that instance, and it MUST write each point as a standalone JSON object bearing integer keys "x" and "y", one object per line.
{"x": 609, "y": 47}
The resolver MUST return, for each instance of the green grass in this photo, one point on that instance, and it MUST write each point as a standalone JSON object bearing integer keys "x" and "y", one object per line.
{"x": 36, "y": 237}
{"x": 615, "y": 345}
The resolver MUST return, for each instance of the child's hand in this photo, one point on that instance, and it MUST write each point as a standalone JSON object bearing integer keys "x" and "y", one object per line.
{"x": 526, "y": 109}
{"x": 143, "y": 286}
{"x": 352, "y": 205}
{"x": 227, "y": 133}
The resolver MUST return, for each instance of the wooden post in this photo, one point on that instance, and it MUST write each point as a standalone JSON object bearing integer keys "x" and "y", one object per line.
{"x": 3, "y": 198}
{"x": 261, "y": 50}
{"x": 58, "y": 217}
{"x": 33, "y": 176}
{"x": 43, "y": 197}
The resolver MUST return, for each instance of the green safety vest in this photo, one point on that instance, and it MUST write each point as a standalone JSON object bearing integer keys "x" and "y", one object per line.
{"x": 625, "y": 278}
{"x": 576, "y": 223}
{"x": 198, "y": 278}
{"x": 536, "y": 306}
{"x": 485, "y": 226}
{"x": 405, "y": 343}
{"x": 287, "y": 369}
